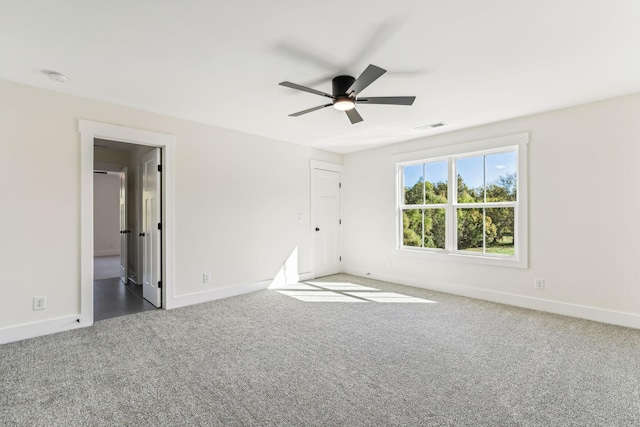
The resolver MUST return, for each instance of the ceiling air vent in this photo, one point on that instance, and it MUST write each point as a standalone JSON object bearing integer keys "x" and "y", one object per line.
{"x": 432, "y": 126}
{"x": 55, "y": 76}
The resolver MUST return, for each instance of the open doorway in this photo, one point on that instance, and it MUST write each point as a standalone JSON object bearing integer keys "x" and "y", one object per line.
{"x": 126, "y": 212}
{"x": 89, "y": 132}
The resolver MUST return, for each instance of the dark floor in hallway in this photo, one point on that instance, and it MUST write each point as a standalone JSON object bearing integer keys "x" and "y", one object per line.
{"x": 111, "y": 298}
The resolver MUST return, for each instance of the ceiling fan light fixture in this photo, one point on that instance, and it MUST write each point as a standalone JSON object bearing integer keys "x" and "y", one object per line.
{"x": 344, "y": 92}
{"x": 344, "y": 104}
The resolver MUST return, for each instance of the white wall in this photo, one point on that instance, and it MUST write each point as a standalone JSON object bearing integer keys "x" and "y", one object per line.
{"x": 106, "y": 214}
{"x": 584, "y": 205}
{"x": 237, "y": 199}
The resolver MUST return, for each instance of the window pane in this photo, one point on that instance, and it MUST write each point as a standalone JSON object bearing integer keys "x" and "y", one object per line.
{"x": 436, "y": 176}
{"x": 434, "y": 228}
{"x": 470, "y": 179}
{"x": 499, "y": 230}
{"x": 412, "y": 227}
{"x": 501, "y": 176}
{"x": 413, "y": 183}
{"x": 470, "y": 229}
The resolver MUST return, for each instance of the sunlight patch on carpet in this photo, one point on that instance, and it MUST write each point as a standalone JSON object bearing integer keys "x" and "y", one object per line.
{"x": 344, "y": 292}
{"x": 295, "y": 286}
{"x": 389, "y": 297}
{"x": 320, "y": 296}
{"x": 342, "y": 286}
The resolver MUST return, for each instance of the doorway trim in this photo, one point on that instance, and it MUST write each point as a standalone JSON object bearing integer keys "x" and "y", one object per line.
{"x": 89, "y": 130}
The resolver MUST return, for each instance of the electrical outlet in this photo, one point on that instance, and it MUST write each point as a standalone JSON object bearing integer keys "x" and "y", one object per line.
{"x": 388, "y": 263}
{"x": 539, "y": 283}
{"x": 39, "y": 303}
{"x": 206, "y": 278}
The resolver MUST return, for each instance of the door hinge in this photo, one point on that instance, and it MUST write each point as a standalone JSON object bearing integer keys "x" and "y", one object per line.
{"x": 340, "y": 221}
{"x": 159, "y": 226}
{"x": 160, "y": 285}
{"x": 339, "y": 185}
{"x": 339, "y": 258}
{"x": 159, "y": 168}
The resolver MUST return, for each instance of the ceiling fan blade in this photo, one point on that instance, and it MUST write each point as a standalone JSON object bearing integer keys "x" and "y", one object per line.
{"x": 377, "y": 37}
{"x": 354, "y": 116}
{"x": 368, "y": 76}
{"x": 299, "y": 113}
{"x": 305, "y": 89}
{"x": 391, "y": 100}
{"x": 303, "y": 52}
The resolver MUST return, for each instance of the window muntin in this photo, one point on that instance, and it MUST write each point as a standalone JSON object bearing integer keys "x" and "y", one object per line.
{"x": 424, "y": 228}
{"x": 476, "y": 215}
{"x": 487, "y": 177}
{"x": 425, "y": 191}
{"x": 436, "y": 177}
{"x": 486, "y": 230}
{"x": 470, "y": 179}
{"x": 425, "y": 183}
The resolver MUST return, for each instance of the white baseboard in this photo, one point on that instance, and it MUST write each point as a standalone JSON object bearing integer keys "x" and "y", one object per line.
{"x": 36, "y": 329}
{"x": 596, "y": 314}
{"x": 218, "y": 293}
{"x": 51, "y": 326}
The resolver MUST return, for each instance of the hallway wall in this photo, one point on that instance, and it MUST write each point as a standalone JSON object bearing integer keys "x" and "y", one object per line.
{"x": 106, "y": 214}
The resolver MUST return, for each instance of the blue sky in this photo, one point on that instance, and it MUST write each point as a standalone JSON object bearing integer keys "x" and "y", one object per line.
{"x": 470, "y": 168}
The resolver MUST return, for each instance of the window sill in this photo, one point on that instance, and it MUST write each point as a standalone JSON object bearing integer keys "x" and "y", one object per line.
{"x": 461, "y": 257}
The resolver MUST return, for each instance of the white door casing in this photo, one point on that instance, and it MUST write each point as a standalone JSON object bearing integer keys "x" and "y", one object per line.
{"x": 89, "y": 130}
{"x": 151, "y": 234}
{"x": 325, "y": 218}
{"x": 124, "y": 230}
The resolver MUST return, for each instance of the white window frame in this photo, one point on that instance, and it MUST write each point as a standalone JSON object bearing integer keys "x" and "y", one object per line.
{"x": 516, "y": 142}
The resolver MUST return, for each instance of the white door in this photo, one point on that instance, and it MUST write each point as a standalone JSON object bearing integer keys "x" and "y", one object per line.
{"x": 151, "y": 235}
{"x": 124, "y": 231}
{"x": 325, "y": 193}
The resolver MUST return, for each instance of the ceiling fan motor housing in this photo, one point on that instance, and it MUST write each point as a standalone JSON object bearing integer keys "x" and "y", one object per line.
{"x": 340, "y": 85}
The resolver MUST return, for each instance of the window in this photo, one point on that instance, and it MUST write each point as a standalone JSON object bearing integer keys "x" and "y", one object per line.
{"x": 425, "y": 198}
{"x": 467, "y": 202}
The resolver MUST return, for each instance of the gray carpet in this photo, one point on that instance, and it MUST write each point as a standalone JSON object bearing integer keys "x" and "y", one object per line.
{"x": 267, "y": 359}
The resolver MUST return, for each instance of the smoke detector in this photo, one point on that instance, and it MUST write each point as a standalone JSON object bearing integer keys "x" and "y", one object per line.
{"x": 55, "y": 76}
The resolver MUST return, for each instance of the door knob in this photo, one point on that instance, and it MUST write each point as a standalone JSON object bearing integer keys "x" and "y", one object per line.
{"x": 141, "y": 234}
{"x": 126, "y": 231}
{"x": 317, "y": 229}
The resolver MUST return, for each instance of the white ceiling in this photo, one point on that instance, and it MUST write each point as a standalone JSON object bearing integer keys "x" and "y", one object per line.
{"x": 219, "y": 62}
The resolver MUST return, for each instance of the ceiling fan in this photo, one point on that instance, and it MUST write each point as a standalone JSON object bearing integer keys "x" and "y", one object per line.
{"x": 345, "y": 94}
